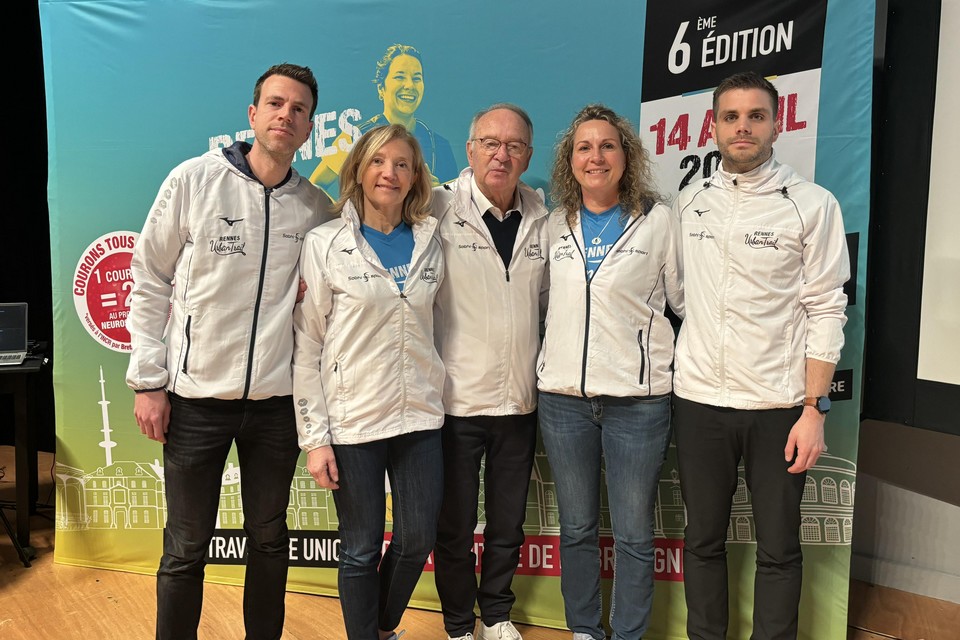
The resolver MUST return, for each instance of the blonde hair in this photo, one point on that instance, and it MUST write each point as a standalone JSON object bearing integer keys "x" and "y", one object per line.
{"x": 416, "y": 206}
{"x": 636, "y": 193}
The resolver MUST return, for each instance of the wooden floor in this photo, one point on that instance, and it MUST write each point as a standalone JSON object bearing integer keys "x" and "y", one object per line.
{"x": 49, "y": 600}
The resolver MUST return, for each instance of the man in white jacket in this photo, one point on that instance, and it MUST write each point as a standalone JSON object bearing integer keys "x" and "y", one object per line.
{"x": 765, "y": 260}
{"x": 210, "y": 359}
{"x": 488, "y": 311}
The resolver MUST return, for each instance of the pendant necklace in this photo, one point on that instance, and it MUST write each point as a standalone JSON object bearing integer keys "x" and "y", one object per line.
{"x": 596, "y": 238}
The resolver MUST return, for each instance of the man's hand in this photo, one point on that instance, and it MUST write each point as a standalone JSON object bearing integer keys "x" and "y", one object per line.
{"x": 301, "y": 290}
{"x": 152, "y": 411}
{"x": 322, "y": 465}
{"x": 805, "y": 443}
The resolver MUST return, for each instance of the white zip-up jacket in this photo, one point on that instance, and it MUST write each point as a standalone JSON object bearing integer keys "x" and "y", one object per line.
{"x": 364, "y": 366}
{"x": 231, "y": 245}
{"x": 765, "y": 260}
{"x": 608, "y": 335}
{"x": 487, "y": 316}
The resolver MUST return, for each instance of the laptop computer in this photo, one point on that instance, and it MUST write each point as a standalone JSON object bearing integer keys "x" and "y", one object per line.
{"x": 13, "y": 333}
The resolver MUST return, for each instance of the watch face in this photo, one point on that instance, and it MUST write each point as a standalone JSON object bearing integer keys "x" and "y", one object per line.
{"x": 823, "y": 404}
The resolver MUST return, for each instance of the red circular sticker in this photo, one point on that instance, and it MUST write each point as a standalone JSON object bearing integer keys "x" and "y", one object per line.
{"x": 101, "y": 286}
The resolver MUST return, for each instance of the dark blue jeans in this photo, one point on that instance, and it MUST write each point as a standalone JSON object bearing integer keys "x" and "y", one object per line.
{"x": 629, "y": 437}
{"x": 200, "y": 435}
{"x": 374, "y": 593}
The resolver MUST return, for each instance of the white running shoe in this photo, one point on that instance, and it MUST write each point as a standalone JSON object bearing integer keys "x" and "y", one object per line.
{"x": 469, "y": 636}
{"x": 500, "y": 631}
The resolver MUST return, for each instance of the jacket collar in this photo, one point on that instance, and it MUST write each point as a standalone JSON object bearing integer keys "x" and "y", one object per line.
{"x": 236, "y": 155}
{"x": 768, "y": 177}
{"x": 532, "y": 205}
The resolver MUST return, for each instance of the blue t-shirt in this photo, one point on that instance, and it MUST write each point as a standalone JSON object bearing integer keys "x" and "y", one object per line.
{"x": 600, "y": 232}
{"x": 395, "y": 249}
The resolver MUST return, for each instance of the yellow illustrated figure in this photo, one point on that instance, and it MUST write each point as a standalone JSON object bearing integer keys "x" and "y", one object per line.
{"x": 400, "y": 87}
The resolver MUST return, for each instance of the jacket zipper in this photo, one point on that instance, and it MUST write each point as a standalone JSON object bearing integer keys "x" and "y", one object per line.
{"x": 723, "y": 291}
{"x": 256, "y": 309}
{"x": 586, "y": 324}
{"x": 586, "y": 320}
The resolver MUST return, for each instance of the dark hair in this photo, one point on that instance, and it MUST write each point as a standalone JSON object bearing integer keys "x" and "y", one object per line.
{"x": 294, "y": 72}
{"x": 745, "y": 80}
{"x": 393, "y": 51}
{"x": 416, "y": 206}
{"x": 636, "y": 193}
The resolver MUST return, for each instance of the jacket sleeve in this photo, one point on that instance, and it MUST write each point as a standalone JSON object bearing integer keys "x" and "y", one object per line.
{"x": 309, "y": 331}
{"x": 673, "y": 276}
{"x": 826, "y": 267}
{"x": 153, "y": 264}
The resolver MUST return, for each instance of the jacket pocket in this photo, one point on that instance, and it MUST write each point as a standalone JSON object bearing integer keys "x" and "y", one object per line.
{"x": 342, "y": 391}
{"x": 186, "y": 338}
{"x": 643, "y": 356}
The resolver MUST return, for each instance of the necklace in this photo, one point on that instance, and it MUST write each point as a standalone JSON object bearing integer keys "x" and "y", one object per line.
{"x": 596, "y": 237}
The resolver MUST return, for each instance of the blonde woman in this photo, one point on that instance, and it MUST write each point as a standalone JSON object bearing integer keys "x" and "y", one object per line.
{"x": 367, "y": 377}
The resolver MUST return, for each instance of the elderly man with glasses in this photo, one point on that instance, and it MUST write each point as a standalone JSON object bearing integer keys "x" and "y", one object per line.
{"x": 488, "y": 312}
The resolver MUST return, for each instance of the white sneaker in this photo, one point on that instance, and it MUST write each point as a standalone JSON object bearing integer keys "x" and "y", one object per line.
{"x": 581, "y": 636}
{"x": 469, "y": 636}
{"x": 500, "y": 631}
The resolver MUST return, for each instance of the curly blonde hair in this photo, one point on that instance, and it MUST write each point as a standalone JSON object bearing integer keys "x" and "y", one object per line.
{"x": 636, "y": 193}
{"x": 416, "y": 206}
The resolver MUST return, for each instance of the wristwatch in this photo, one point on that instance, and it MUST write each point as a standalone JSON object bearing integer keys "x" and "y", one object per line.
{"x": 820, "y": 403}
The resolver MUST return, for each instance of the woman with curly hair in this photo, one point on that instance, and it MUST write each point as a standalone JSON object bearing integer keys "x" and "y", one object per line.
{"x": 605, "y": 368}
{"x": 367, "y": 379}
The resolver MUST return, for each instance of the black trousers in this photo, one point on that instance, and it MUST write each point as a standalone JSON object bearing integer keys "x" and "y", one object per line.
{"x": 198, "y": 441}
{"x": 508, "y": 442}
{"x": 710, "y": 444}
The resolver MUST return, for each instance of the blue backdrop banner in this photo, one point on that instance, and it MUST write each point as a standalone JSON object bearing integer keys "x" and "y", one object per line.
{"x": 133, "y": 88}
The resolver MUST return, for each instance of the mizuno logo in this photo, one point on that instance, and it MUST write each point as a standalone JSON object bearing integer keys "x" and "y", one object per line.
{"x": 700, "y": 213}
{"x": 231, "y": 222}
{"x": 460, "y": 223}
{"x": 349, "y": 252}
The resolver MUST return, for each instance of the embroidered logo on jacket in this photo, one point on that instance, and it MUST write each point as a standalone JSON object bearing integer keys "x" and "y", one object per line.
{"x": 366, "y": 277}
{"x": 227, "y": 245}
{"x": 429, "y": 274}
{"x": 474, "y": 246}
{"x": 566, "y": 251}
{"x": 700, "y": 213}
{"x": 233, "y": 221}
{"x": 761, "y": 240}
{"x": 533, "y": 252}
{"x": 296, "y": 237}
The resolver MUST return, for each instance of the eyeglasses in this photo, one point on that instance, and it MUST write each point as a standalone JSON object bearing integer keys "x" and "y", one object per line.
{"x": 490, "y": 146}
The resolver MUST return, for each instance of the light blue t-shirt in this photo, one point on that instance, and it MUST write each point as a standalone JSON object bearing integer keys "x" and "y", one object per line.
{"x": 395, "y": 249}
{"x": 600, "y": 232}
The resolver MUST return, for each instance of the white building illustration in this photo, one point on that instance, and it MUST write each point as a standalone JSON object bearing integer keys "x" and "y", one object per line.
{"x": 129, "y": 494}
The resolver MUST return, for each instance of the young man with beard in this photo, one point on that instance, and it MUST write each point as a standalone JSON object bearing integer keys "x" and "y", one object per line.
{"x": 765, "y": 260}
